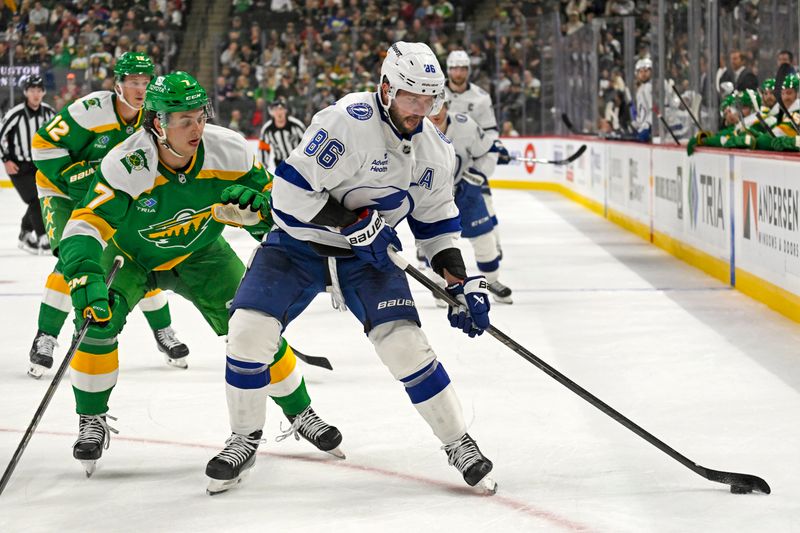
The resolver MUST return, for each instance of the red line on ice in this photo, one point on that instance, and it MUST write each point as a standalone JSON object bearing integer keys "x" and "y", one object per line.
{"x": 505, "y": 501}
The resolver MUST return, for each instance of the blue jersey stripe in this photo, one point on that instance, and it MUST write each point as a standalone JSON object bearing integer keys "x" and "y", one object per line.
{"x": 429, "y": 230}
{"x": 290, "y": 174}
{"x": 245, "y": 375}
{"x": 429, "y": 386}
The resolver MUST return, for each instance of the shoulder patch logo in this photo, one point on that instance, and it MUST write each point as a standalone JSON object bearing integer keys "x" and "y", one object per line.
{"x": 92, "y": 102}
{"x": 360, "y": 111}
{"x": 461, "y": 118}
{"x": 180, "y": 231}
{"x": 135, "y": 161}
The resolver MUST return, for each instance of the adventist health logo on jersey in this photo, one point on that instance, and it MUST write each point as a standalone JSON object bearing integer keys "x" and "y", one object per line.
{"x": 179, "y": 231}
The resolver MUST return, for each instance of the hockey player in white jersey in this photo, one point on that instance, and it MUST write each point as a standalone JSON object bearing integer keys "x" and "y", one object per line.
{"x": 469, "y": 99}
{"x": 473, "y": 156}
{"x": 643, "y": 122}
{"x": 365, "y": 164}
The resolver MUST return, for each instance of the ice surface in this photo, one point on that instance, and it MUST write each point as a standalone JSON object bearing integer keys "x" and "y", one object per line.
{"x": 709, "y": 371}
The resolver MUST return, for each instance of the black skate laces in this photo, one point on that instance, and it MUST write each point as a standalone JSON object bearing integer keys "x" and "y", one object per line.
{"x": 167, "y": 337}
{"x": 45, "y": 344}
{"x": 238, "y": 448}
{"x": 307, "y": 424}
{"x": 94, "y": 428}
{"x": 463, "y": 453}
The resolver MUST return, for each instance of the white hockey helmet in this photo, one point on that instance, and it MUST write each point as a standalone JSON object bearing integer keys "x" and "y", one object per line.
{"x": 643, "y": 63}
{"x": 458, "y": 58}
{"x": 413, "y": 67}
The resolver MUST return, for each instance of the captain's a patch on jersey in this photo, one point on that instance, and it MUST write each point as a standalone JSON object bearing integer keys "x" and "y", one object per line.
{"x": 360, "y": 111}
{"x": 136, "y": 160}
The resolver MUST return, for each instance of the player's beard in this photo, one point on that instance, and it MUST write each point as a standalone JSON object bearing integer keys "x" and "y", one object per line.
{"x": 405, "y": 125}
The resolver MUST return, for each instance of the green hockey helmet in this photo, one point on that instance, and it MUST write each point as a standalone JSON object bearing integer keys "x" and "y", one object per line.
{"x": 133, "y": 63}
{"x": 728, "y": 101}
{"x": 791, "y": 81}
{"x": 749, "y": 98}
{"x": 768, "y": 84}
{"x": 176, "y": 92}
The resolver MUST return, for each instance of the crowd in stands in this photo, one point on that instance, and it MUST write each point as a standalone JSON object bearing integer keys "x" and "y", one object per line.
{"x": 75, "y": 42}
{"x": 311, "y": 52}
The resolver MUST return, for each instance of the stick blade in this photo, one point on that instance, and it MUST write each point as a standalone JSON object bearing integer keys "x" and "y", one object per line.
{"x": 740, "y": 483}
{"x": 321, "y": 362}
{"x": 576, "y": 155}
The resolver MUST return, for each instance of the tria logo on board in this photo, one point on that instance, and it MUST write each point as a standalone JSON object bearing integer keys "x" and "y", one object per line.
{"x": 750, "y": 204}
{"x": 693, "y": 196}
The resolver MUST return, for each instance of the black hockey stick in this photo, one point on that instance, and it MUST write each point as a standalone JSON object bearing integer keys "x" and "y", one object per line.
{"x": 664, "y": 122}
{"x": 51, "y": 390}
{"x": 321, "y": 362}
{"x": 688, "y": 110}
{"x": 739, "y": 483}
{"x": 568, "y": 123}
{"x": 567, "y": 161}
{"x": 789, "y": 116}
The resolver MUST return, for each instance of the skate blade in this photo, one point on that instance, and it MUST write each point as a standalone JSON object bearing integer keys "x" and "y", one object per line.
{"x": 181, "y": 363}
{"x": 336, "y": 452}
{"x": 36, "y": 371}
{"x": 487, "y": 486}
{"x": 502, "y": 299}
{"x": 89, "y": 467}
{"x": 218, "y": 486}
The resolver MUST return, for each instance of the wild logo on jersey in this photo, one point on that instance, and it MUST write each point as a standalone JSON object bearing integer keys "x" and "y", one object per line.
{"x": 135, "y": 161}
{"x": 180, "y": 231}
{"x": 92, "y": 102}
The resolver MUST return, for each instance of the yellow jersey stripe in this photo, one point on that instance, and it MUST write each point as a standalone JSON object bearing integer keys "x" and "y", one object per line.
{"x": 226, "y": 175}
{"x": 95, "y": 364}
{"x": 280, "y": 370}
{"x": 88, "y": 216}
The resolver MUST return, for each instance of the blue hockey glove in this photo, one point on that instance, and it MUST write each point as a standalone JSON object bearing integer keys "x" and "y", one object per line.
{"x": 370, "y": 237}
{"x": 472, "y": 314}
{"x": 503, "y": 157}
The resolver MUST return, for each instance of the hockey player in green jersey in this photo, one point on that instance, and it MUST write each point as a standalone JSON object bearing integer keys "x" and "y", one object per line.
{"x": 66, "y": 151}
{"x": 155, "y": 199}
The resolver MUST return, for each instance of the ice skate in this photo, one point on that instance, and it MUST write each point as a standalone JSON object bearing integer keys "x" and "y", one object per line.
{"x": 41, "y": 354}
{"x": 231, "y": 465}
{"x": 28, "y": 242}
{"x": 422, "y": 261}
{"x": 43, "y": 245}
{"x": 94, "y": 436}
{"x": 312, "y": 428}
{"x": 465, "y": 455}
{"x": 174, "y": 351}
{"x": 500, "y": 293}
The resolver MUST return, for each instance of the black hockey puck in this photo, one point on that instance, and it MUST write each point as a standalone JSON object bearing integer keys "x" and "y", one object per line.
{"x": 738, "y": 489}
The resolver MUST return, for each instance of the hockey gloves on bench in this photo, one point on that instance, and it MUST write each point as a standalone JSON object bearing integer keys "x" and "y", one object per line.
{"x": 89, "y": 293}
{"x": 370, "y": 237}
{"x": 242, "y": 206}
{"x": 472, "y": 315}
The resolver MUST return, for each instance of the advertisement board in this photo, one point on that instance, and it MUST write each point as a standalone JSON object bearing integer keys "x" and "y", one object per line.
{"x": 768, "y": 236}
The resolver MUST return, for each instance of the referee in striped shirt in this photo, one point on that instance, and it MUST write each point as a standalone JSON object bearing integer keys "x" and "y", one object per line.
{"x": 16, "y": 132}
{"x": 279, "y": 135}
